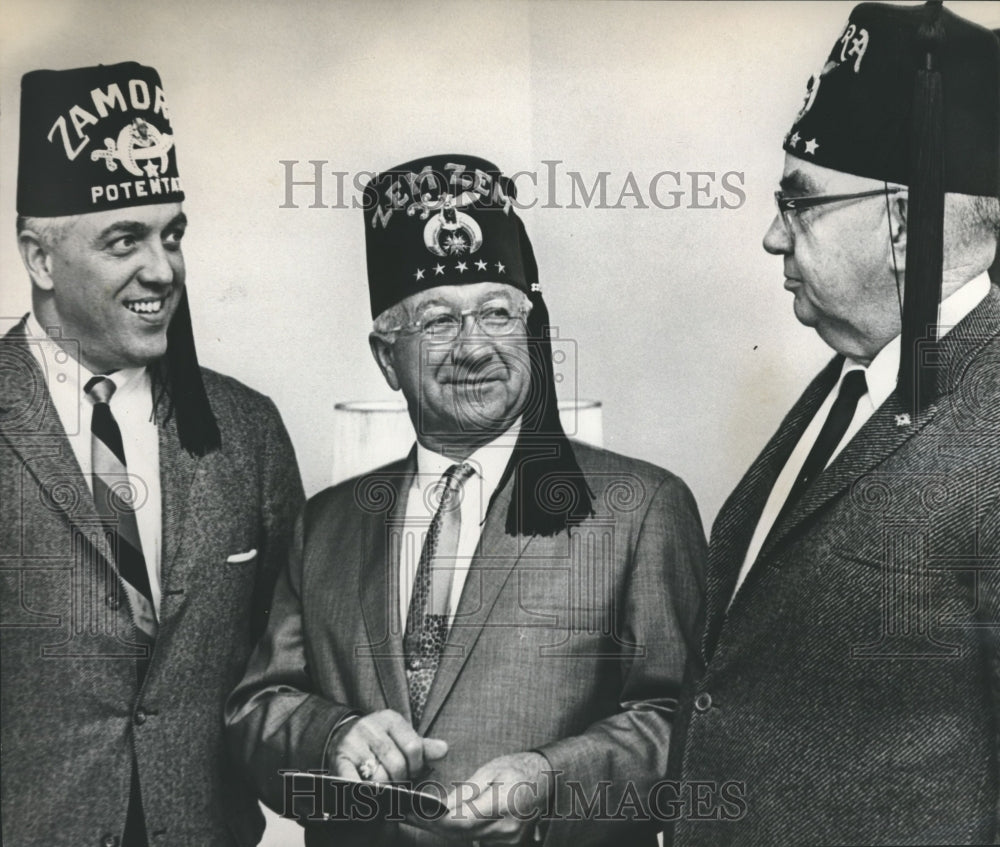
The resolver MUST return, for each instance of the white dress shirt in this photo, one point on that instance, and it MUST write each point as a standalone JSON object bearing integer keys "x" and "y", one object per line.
{"x": 132, "y": 407}
{"x": 880, "y": 376}
{"x": 489, "y": 462}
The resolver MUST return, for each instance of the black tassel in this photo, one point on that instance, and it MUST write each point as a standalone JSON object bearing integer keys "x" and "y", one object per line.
{"x": 178, "y": 386}
{"x": 925, "y": 222}
{"x": 550, "y": 491}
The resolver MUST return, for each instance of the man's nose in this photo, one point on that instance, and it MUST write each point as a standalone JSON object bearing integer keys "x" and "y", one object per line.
{"x": 777, "y": 240}
{"x": 471, "y": 341}
{"x": 157, "y": 267}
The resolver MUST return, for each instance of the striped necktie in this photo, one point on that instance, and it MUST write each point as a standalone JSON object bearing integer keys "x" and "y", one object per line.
{"x": 114, "y": 494}
{"x": 428, "y": 613}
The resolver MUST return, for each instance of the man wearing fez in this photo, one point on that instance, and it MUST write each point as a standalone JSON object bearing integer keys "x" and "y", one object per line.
{"x": 850, "y": 668}
{"x": 147, "y": 503}
{"x": 504, "y": 614}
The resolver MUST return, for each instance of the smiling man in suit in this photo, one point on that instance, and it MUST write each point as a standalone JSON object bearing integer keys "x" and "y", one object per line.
{"x": 504, "y": 614}
{"x": 147, "y": 503}
{"x": 851, "y": 672}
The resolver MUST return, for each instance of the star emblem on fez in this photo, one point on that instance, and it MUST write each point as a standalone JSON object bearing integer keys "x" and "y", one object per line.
{"x": 456, "y": 244}
{"x": 500, "y": 268}
{"x": 811, "y": 145}
{"x": 903, "y": 419}
{"x": 481, "y": 265}
{"x": 794, "y": 140}
{"x": 461, "y": 267}
{"x": 151, "y": 169}
{"x": 419, "y": 274}
{"x": 438, "y": 269}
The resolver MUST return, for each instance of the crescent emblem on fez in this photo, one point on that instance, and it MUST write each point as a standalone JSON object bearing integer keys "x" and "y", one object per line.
{"x": 452, "y": 233}
{"x": 139, "y": 141}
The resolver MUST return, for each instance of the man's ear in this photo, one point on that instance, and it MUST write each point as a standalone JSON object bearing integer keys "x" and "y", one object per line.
{"x": 899, "y": 205}
{"x": 382, "y": 351}
{"x": 37, "y": 258}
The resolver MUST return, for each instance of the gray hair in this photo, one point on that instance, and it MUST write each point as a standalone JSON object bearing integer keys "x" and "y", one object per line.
{"x": 386, "y": 323}
{"x": 49, "y": 230}
{"x": 971, "y": 230}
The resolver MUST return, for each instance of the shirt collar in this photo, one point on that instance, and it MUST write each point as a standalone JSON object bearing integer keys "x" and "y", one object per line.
{"x": 490, "y": 461}
{"x": 883, "y": 370}
{"x": 62, "y": 368}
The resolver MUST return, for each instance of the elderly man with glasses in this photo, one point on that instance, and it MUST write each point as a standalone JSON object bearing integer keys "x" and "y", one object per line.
{"x": 850, "y": 668}
{"x": 504, "y": 617}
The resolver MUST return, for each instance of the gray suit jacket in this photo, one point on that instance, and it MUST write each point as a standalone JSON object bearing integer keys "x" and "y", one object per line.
{"x": 852, "y": 686}
{"x": 574, "y": 645}
{"x": 72, "y": 711}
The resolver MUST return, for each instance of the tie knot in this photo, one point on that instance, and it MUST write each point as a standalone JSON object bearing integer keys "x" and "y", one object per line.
{"x": 854, "y": 385}
{"x": 457, "y": 475}
{"x": 100, "y": 389}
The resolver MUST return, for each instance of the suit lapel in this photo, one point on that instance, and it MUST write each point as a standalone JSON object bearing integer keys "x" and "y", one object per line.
{"x": 738, "y": 518}
{"x": 881, "y": 436}
{"x": 31, "y": 427}
{"x": 496, "y": 555}
{"x": 378, "y": 584}
{"x": 177, "y": 475}
{"x": 875, "y": 441}
{"x": 892, "y": 426}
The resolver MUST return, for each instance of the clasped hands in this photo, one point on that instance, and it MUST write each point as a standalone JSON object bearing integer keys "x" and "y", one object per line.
{"x": 496, "y": 805}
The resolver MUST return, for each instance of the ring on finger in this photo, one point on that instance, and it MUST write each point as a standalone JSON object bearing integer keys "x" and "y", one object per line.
{"x": 366, "y": 770}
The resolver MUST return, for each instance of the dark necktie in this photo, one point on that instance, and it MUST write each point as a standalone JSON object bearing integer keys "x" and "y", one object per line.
{"x": 114, "y": 494}
{"x": 428, "y": 612}
{"x": 852, "y": 388}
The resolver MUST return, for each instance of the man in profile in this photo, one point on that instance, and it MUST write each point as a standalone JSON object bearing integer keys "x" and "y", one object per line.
{"x": 850, "y": 669}
{"x": 147, "y": 503}
{"x": 503, "y": 613}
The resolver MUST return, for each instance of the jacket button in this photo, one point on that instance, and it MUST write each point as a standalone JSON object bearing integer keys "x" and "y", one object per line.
{"x": 113, "y": 602}
{"x": 140, "y": 716}
{"x": 109, "y": 840}
{"x": 703, "y": 702}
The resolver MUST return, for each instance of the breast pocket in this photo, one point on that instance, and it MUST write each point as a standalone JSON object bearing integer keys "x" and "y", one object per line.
{"x": 246, "y": 558}
{"x": 241, "y": 566}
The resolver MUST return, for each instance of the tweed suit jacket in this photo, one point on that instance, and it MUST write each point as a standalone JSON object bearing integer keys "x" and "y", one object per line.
{"x": 852, "y": 685}
{"x": 574, "y": 645}
{"x": 73, "y": 712}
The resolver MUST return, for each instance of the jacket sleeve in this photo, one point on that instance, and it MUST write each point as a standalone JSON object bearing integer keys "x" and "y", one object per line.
{"x": 274, "y": 720}
{"x": 627, "y": 752}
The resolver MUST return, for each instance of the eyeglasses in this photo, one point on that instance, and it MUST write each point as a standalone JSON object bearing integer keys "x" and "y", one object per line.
{"x": 442, "y": 327}
{"x": 789, "y": 207}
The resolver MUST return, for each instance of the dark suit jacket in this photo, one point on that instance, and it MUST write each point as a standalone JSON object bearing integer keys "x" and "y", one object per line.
{"x": 574, "y": 645}
{"x": 72, "y": 711}
{"x": 852, "y": 685}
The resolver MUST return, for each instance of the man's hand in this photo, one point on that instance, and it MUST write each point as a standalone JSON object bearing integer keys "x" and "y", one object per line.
{"x": 382, "y": 747}
{"x": 499, "y": 803}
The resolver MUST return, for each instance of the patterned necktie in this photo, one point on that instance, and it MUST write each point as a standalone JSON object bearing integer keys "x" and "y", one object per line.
{"x": 427, "y": 616}
{"x": 114, "y": 494}
{"x": 852, "y": 388}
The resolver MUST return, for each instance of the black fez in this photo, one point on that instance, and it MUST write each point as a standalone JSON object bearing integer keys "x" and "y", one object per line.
{"x": 94, "y": 139}
{"x": 98, "y": 139}
{"x": 449, "y": 220}
{"x": 440, "y": 220}
{"x": 858, "y": 113}
{"x": 910, "y": 95}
